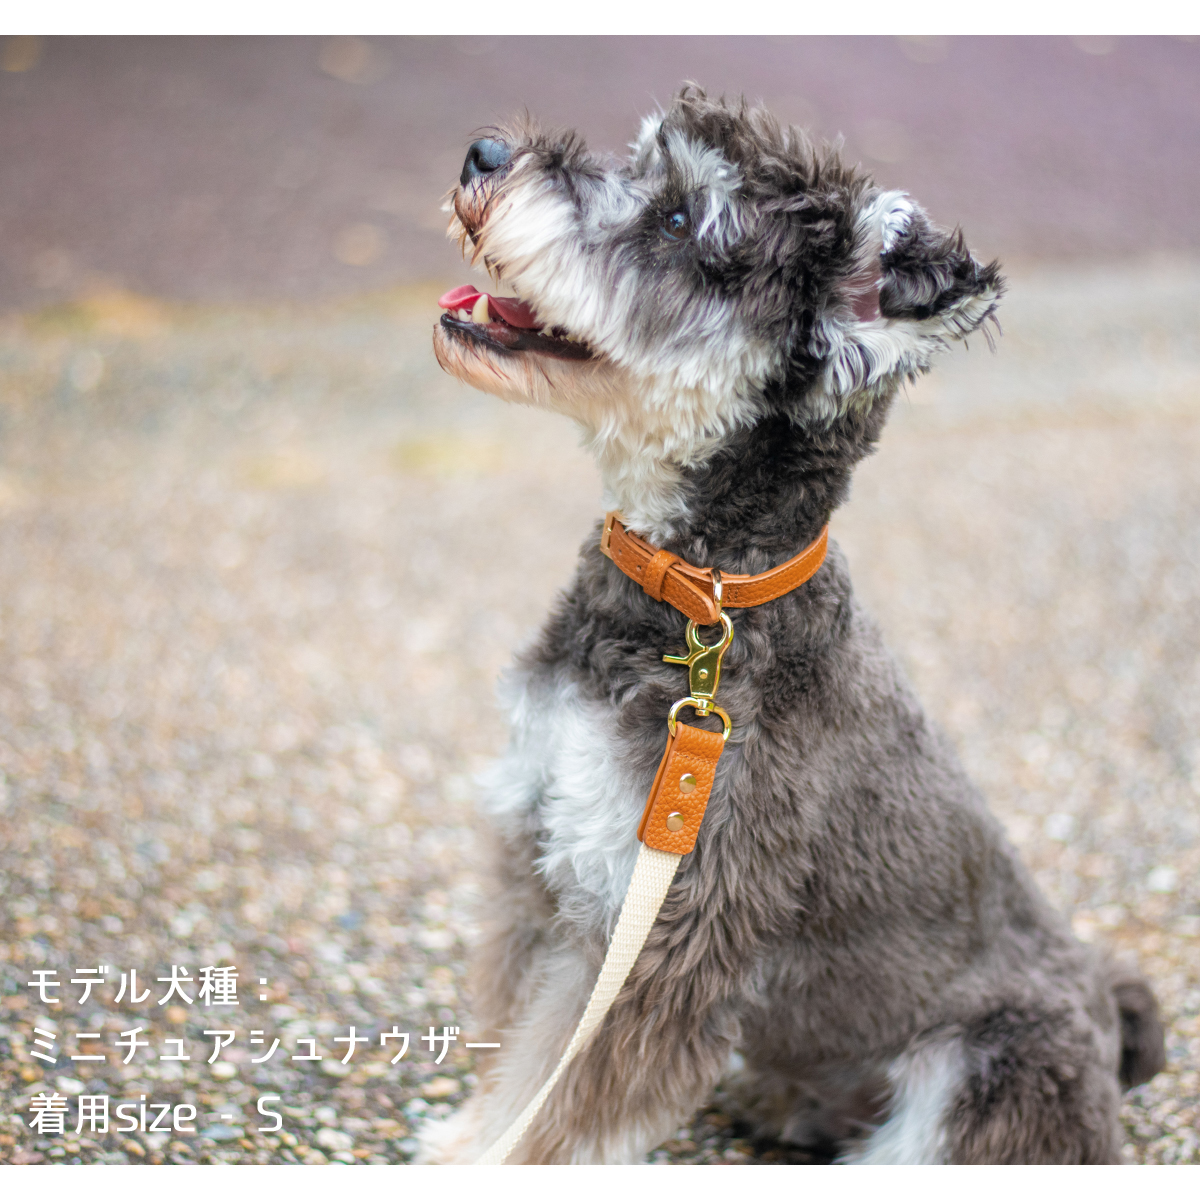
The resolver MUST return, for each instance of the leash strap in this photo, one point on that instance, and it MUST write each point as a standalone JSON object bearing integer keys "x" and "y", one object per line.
{"x": 684, "y": 781}
{"x": 652, "y": 875}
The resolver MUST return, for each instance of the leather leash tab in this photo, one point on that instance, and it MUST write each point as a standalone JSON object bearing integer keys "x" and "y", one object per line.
{"x": 663, "y": 576}
{"x": 680, "y": 792}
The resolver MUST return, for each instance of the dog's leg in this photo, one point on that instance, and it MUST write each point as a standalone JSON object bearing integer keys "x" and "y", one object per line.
{"x": 927, "y": 1082}
{"x": 817, "y": 1109}
{"x": 1016, "y": 1086}
{"x": 519, "y": 912}
{"x": 641, "y": 1075}
{"x": 502, "y": 981}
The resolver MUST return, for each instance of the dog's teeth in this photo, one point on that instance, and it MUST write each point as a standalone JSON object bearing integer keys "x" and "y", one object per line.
{"x": 479, "y": 314}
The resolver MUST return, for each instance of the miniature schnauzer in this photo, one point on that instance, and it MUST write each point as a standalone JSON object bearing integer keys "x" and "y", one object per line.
{"x": 727, "y": 315}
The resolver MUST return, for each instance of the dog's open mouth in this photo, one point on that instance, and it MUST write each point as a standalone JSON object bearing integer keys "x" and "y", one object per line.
{"x": 505, "y": 323}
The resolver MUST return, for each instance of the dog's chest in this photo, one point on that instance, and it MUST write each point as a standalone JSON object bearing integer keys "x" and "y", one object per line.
{"x": 565, "y": 780}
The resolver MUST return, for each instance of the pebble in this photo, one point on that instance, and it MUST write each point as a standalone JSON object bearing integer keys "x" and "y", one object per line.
{"x": 334, "y": 1139}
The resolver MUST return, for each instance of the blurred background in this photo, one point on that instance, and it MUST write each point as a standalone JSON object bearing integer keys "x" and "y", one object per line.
{"x": 235, "y": 729}
{"x": 260, "y": 168}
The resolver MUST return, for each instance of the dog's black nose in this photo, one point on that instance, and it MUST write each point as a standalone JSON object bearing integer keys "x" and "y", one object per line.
{"x": 484, "y": 157}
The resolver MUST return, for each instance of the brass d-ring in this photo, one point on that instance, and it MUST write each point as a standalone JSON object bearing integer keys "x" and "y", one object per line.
{"x": 704, "y": 708}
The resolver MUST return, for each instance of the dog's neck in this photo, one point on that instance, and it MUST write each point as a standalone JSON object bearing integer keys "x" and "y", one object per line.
{"x": 650, "y": 490}
{"x": 757, "y": 497}
{"x": 646, "y": 446}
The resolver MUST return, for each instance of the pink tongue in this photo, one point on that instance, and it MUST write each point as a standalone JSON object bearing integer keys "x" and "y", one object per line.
{"x": 516, "y": 312}
{"x": 460, "y": 297}
{"x": 512, "y": 311}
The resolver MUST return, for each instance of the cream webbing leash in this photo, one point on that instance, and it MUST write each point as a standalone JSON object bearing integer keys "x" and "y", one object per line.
{"x": 652, "y": 875}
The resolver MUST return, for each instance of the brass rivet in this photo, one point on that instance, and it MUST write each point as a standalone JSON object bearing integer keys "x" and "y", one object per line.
{"x": 675, "y": 822}
{"x": 687, "y": 784}
{"x": 703, "y": 672}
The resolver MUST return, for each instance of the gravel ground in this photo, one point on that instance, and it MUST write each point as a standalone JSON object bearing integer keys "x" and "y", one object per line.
{"x": 238, "y": 728}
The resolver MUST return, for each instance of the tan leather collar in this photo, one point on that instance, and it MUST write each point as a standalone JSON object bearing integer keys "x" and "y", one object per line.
{"x": 664, "y": 576}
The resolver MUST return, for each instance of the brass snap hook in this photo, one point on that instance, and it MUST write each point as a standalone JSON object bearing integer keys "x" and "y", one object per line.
{"x": 702, "y": 661}
{"x": 705, "y": 708}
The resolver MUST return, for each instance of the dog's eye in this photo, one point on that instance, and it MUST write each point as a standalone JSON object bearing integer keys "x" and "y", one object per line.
{"x": 677, "y": 225}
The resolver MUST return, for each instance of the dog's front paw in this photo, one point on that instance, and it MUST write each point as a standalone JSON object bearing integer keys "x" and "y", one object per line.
{"x": 451, "y": 1140}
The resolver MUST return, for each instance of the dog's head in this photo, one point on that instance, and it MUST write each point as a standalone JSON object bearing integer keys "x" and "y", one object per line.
{"x": 726, "y": 270}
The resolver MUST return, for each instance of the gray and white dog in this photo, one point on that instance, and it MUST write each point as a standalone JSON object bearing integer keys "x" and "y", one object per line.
{"x": 727, "y": 314}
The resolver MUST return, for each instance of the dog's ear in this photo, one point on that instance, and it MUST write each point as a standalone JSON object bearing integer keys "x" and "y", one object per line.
{"x": 909, "y": 291}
